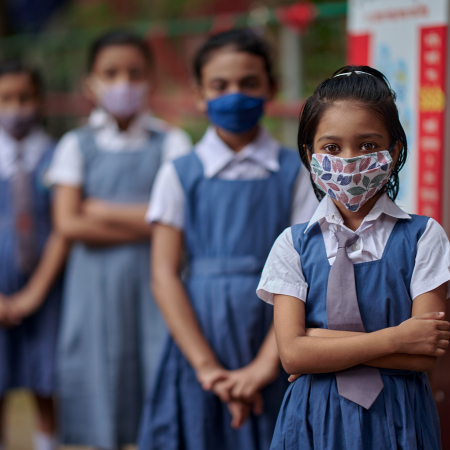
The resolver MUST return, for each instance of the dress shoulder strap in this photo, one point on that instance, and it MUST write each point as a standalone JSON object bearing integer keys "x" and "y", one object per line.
{"x": 189, "y": 169}
{"x": 86, "y": 140}
{"x": 290, "y": 165}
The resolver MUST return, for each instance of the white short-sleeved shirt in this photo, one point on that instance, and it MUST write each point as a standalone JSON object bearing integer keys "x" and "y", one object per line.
{"x": 67, "y": 165}
{"x": 33, "y": 147}
{"x": 254, "y": 161}
{"x": 283, "y": 273}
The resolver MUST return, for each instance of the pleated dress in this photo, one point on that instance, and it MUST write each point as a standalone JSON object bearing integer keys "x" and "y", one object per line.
{"x": 404, "y": 416}
{"x": 27, "y": 351}
{"x": 230, "y": 226}
{"x": 111, "y": 330}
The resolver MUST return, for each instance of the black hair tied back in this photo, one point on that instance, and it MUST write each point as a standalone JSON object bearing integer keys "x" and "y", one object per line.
{"x": 369, "y": 88}
{"x": 241, "y": 40}
{"x": 117, "y": 38}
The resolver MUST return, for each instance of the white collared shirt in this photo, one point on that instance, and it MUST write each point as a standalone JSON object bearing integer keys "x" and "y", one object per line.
{"x": 254, "y": 161}
{"x": 33, "y": 146}
{"x": 67, "y": 164}
{"x": 283, "y": 272}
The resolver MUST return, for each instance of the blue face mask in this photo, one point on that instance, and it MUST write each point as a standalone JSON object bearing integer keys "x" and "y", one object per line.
{"x": 235, "y": 112}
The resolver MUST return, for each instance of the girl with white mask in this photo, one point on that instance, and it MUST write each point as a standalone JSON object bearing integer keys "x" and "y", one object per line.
{"x": 103, "y": 172}
{"x": 31, "y": 253}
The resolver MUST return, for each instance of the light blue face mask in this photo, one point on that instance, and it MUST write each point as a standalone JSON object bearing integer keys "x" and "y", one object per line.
{"x": 236, "y": 113}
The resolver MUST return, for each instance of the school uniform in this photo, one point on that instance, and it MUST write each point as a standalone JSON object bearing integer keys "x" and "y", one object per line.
{"x": 230, "y": 207}
{"x": 111, "y": 330}
{"x": 27, "y": 351}
{"x": 396, "y": 258}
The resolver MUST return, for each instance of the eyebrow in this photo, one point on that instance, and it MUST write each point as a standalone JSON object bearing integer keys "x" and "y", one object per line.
{"x": 359, "y": 136}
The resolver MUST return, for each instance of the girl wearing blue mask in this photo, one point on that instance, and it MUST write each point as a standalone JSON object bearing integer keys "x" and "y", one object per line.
{"x": 111, "y": 330}
{"x": 360, "y": 291}
{"x": 31, "y": 253}
{"x": 219, "y": 385}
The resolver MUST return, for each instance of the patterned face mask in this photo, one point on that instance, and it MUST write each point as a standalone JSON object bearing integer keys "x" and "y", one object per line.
{"x": 351, "y": 181}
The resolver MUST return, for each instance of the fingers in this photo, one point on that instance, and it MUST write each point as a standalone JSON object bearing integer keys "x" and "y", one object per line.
{"x": 209, "y": 380}
{"x": 442, "y": 325}
{"x": 431, "y": 316}
{"x": 239, "y": 413}
{"x": 258, "y": 404}
{"x": 292, "y": 378}
{"x": 442, "y": 343}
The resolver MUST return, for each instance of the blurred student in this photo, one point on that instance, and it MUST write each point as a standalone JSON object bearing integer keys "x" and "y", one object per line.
{"x": 219, "y": 385}
{"x": 111, "y": 329}
{"x": 31, "y": 255}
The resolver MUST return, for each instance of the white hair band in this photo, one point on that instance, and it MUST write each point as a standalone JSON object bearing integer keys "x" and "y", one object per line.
{"x": 359, "y": 72}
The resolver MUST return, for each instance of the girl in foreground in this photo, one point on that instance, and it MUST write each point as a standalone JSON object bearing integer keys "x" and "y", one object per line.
{"x": 223, "y": 205}
{"x": 111, "y": 330}
{"x": 31, "y": 253}
{"x": 360, "y": 291}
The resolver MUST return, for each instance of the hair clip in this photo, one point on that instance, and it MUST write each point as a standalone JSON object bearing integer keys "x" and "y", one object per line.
{"x": 359, "y": 72}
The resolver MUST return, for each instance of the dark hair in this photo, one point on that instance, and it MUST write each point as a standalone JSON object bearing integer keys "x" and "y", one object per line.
{"x": 372, "y": 90}
{"x": 242, "y": 40}
{"x": 118, "y": 37}
{"x": 15, "y": 67}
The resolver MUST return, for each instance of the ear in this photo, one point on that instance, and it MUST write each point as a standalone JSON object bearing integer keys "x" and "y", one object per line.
{"x": 86, "y": 88}
{"x": 199, "y": 98}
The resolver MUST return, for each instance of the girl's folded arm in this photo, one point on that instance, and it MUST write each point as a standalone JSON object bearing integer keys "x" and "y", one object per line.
{"x": 130, "y": 216}
{"x": 423, "y": 335}
{"x": 433, "y": 301}
{"x": 71, "y": 223}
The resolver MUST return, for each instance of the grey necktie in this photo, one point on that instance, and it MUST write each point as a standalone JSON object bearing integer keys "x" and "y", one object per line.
{"x": 23, "y": 211}
{"x": 359, "y": 384}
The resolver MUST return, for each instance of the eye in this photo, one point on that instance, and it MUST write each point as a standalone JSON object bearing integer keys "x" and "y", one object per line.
{"x": 332, "y": 148}
{"x": 219, "y": 86}
{"x": 110, "y": 74}
{"x": 368, "y": 146}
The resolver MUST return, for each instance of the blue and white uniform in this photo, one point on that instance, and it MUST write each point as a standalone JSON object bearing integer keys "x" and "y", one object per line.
{"x": 396, "y": 258}
{"x": 111, "y": 330}
{"x": 230, "y": 207}
{"x": 27, "y": 351}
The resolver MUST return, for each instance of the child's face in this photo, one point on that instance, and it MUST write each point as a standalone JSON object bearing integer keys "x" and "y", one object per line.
{"x": 228, "y": 72}
{"x": 118, "y": 64}
{"x": 18, "y": 93}
{"x": 347, "y": 130}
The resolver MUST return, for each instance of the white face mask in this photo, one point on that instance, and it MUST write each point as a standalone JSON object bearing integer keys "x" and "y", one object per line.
{"x": 18, "y": 122}
{"x": 352, "y": 181}
{"x": 123, "y": 99}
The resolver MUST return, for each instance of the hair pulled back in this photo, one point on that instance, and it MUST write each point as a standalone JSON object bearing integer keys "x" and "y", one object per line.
{"x": 241, "y": 40}
{"x": 371, "y": 90}
{"x": 117, "y": 37}
{"x": 13, "y": 67}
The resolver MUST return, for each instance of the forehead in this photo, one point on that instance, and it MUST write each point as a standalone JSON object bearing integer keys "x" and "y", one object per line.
{"x": 345, "y": 118}
{"x": 119, "y": 55}
{"x": 16, "y": 81}
{"x": 228, "y": 63}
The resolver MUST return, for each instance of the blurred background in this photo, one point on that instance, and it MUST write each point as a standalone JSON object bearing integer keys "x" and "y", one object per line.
{"x": 309, "y": 41}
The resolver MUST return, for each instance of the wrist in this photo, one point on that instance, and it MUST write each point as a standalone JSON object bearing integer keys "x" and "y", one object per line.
{"x": 390, "y": 341}
{"x": 205, "y": 366}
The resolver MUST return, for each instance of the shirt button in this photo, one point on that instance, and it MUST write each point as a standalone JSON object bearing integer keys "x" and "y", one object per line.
{"x": 356, "y": 247}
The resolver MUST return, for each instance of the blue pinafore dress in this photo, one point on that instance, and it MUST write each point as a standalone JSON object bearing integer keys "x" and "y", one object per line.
{"x": 230, "y": 226}
{"x": 27, "y": 352}
{"x": 111, "y": 330}
{"x": 404, "y": 416}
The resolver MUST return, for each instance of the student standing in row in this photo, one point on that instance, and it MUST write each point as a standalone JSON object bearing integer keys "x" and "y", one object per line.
{"x": 219, "y": 384}
{"x": 31, "y": 254}
{"x": 111, "y": 330}
{"x": 360, "y": 291}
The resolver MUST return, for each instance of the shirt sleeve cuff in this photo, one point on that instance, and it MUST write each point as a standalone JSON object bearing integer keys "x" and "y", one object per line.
{"x": 267, "y": 288}
{"x": 429, "y": 285}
